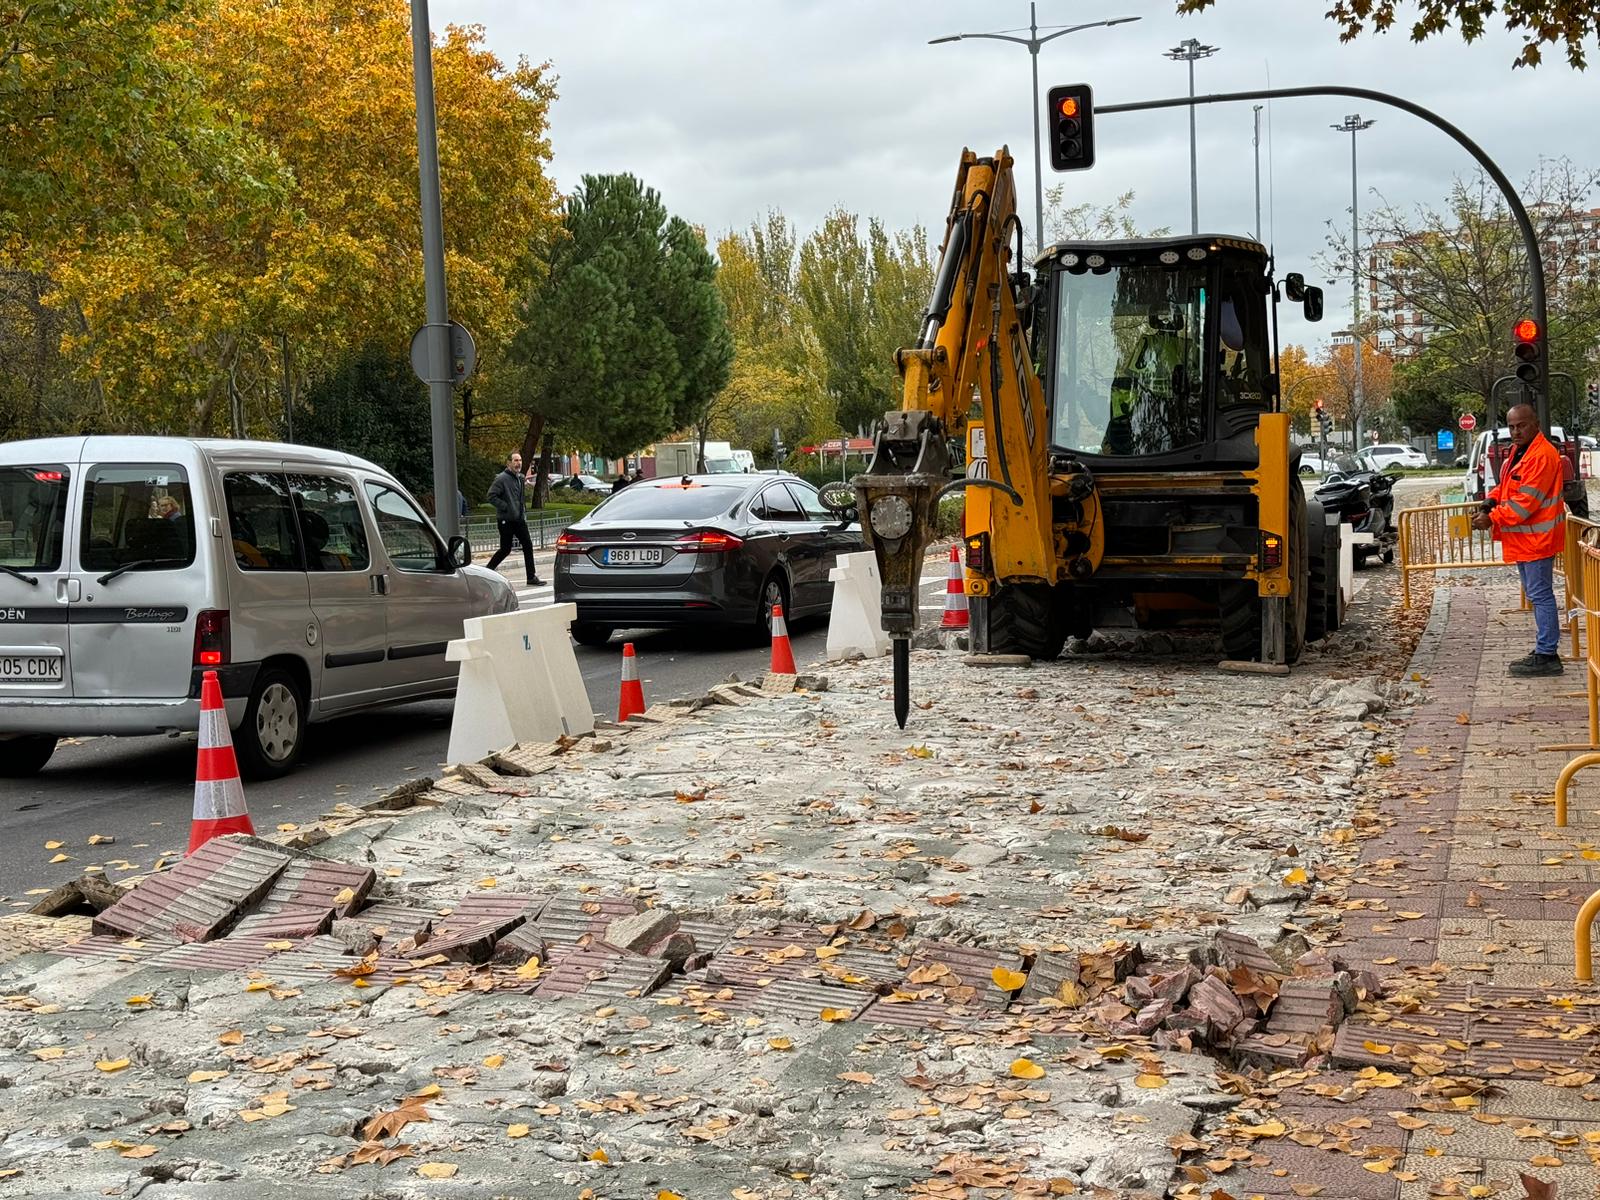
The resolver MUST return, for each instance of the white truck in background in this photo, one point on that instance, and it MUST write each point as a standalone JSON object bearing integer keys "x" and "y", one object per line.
{"x": 682, "y": 458}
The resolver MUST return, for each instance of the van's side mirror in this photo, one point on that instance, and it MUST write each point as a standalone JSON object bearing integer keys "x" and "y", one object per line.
{"x": 460, "y": 551}
{"x": 1313, "y": 304}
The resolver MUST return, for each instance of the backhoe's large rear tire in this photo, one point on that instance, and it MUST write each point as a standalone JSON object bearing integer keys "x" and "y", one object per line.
{"x": 1318, "y": 573}
{"x": 1239, "y": 612}
{"x": 1024, "y": 618}
{"x": 1294, "y": 640}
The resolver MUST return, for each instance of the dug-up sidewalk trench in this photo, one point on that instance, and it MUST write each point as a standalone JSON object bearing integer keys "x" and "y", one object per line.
{"x": 1070, "y": 932}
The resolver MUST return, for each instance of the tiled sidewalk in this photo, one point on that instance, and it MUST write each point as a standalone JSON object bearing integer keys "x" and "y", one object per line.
{"x": 1481, "y": 1062}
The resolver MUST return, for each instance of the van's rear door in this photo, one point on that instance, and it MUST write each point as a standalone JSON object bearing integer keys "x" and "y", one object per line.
{"x": 133, "y": 628}
{"x": 36, "y": 582}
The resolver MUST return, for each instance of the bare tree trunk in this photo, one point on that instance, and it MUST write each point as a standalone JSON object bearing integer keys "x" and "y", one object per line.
{"x": 530, "y": 443}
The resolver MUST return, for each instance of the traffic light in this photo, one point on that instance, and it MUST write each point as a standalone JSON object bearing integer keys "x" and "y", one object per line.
{"x": 1071, "y": 120}
{"x": 1324, "y": 421}
{"x": 1594, "y": 393}
{"x": 1527, "y": 335}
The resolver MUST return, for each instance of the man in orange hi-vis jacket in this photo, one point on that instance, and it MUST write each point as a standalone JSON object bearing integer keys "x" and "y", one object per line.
{"x": 1526, "y": 513}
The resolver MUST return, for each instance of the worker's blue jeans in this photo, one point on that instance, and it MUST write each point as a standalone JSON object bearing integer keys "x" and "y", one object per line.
{"x": 1538, "y": 584}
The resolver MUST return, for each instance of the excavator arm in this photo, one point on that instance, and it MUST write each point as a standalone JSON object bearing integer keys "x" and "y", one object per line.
{"x": 970, "y": 361}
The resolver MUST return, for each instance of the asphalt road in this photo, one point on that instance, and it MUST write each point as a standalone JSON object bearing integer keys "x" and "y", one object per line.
{"x": 140, "y": 791}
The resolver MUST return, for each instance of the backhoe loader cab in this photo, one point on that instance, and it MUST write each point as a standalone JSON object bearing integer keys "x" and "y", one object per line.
{"x": 1155, "y": 352}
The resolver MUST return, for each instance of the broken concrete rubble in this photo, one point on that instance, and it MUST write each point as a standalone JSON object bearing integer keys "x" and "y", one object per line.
{"x": 874, "y": 999}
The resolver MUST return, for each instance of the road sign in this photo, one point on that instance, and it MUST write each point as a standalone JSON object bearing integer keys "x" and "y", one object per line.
{"x": 1468, "y": 422}
{"x": 463, "y": 353}
{"x": 1446, "y": 440}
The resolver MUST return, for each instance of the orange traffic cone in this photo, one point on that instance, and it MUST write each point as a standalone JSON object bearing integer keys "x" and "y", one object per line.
{"x": 955, "y": 595}
{"x": 630, "y": 700}
{"x": 782, "y": 655}
{"x": 218, "y": 794}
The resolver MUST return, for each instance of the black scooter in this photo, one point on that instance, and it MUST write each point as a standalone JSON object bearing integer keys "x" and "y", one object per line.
{"x": 1364, "y": 500}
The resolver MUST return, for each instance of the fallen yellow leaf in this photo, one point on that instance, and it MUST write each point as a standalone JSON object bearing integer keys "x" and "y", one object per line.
{"x": 1007, "y": 981}
{"x": 48, "y": 1052}
{"x": 517, "y": 1131}
{"x": 1376, "y": 1047}
{"x": 231, "y": 1038}
{"x": 1150, "y": 1081}
{"x": 495, "y": 1061}
{"x": 206, "y": 1076}
{"x": 424, "y": 1093}
{"x": 54, "y": 845}
{"x": 488, "y": 881}
{"x": 663, "y": 1194}
{"x": 599, "y": 1155}
{"x": 1296, "y": 877}
{"x": 529, "y": 969}
{"x": 137, "y": 1000}
{"x": 780, "y": 1043}
{"x": 1026, "y": 1068}
{"x": 437, "y": 1170}
{"x": 344, "y": 896}
{"x": 61, "y": 858}
{"x": 836, "y": 1014}
{"x": 111, "y": 1065}
{"x": 141, "y": 1151}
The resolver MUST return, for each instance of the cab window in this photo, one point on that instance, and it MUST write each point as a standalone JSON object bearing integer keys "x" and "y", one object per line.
{"x": 137, "y": 517}
{"x": 407, "y": 537}
{"x": 261, "y": 521}
{"x": 331, "y": 528}
{"x": 33, "y": 522}
{"x": 1241, "y": 340}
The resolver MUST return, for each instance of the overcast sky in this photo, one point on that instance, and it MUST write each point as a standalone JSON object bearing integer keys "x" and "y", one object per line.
{"x": 730, "y": 109}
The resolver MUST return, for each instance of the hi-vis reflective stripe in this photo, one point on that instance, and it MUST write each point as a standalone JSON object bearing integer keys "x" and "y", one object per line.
{"x": 1540, "y": 499}
{"x": 1537, "y": 527}
{"x": 216, "y": 799}
{"x": 1524, "y": 513}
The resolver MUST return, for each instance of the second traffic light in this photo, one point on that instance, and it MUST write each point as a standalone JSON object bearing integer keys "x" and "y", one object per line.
{"x": 1071, "y": 119}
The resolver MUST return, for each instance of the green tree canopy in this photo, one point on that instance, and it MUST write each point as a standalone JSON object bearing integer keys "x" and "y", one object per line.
{"x": 623, "y": 335}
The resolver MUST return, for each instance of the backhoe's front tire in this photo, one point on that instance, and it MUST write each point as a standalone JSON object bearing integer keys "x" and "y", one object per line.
{"x": 1239, "y": 604}
{"x": 1025, "y": 619}
{"x": 1239, "y": 614}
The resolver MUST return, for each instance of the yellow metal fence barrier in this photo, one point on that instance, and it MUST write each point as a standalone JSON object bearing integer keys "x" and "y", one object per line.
{"x": 1580, "y": 533}
{"x": 1582, "y": 562}
{"x": 1440, "y": 537}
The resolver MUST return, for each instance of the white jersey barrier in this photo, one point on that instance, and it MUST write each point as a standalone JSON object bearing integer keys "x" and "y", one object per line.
{"x": 519, "y": 682}
{"x": 855, "y": 626}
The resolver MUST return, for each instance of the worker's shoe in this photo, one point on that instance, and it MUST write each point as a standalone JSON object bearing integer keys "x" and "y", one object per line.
{"x": 1536, "y": 664}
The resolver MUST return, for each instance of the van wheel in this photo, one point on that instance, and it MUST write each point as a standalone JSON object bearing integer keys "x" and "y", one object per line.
{"x": 25, "y": 755}
{"x": 270, "y": 741}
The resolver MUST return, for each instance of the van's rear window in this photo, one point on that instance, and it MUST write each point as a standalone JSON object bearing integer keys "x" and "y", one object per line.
{"x": 670, "y": 502}
{"x": 33, "y": 516}
{"x": 138, "y": 516}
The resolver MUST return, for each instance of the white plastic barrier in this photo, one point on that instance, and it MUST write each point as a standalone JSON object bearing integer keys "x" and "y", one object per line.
{"x": 855, "y": 626}
{"x": 519, "y": 682}
{"x": 1349, "y": 539}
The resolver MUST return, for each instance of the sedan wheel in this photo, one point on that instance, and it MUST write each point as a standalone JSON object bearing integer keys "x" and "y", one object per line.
{"x": 772, "y": 592}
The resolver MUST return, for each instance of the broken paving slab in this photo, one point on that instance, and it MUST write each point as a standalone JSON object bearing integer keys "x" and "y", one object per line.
{"x": 200, "y": 897}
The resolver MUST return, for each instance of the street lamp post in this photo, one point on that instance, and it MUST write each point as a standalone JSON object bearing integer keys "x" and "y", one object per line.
{"x": 1189, "y": 51}
{"x": 1353, "y": 124}
{"x": 1033, "y": 41}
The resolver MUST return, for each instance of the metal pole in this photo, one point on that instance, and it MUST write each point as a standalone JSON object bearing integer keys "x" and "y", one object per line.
{"x": 446, "y": 513}
{"x": 1038, "y": 163}
{"x": 1519, "y": 213}
{"x": 1355, "y": 286}
{"x": 1194, "y": 162}
{"x": 1257, "y": 144}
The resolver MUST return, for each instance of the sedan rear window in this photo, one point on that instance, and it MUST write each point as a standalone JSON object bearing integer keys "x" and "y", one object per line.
{"x": 33, "y": 506}
{"x": 669, "y": 502}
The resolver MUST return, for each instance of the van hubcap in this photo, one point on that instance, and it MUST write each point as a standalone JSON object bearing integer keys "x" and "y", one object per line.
{"x": 277, "y": 722}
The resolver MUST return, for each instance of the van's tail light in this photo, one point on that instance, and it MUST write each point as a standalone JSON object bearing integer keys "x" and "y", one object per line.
{"x": 707, "y": 541}
{"x": 1271, "y": 551}
{"x": 212, "y": 638}
{"x": 569, "y": 543}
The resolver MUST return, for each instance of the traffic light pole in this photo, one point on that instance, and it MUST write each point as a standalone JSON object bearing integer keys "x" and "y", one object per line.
{"x": 1530, "y": 240}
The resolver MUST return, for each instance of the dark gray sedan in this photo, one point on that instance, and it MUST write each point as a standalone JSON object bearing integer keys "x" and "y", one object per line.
{"x": 700, "y": 550}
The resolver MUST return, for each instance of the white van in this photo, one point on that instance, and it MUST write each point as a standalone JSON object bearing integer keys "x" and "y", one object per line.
{"x": 309, "y": 580}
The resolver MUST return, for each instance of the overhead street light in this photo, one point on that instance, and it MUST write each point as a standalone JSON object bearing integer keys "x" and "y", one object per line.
{"x": 1353, "y": 124}
{"x": 1033, "y": 41}
{"x": 1190, "y": 51}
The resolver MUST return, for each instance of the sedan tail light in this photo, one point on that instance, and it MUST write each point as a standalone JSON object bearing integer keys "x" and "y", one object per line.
{"x": 707, "y": 541}
{"x": 569, "y": 543}
{"x": 213, "y": 638}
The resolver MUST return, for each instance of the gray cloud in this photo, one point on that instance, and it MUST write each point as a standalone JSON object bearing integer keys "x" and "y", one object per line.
{"x": 730, "y": 109}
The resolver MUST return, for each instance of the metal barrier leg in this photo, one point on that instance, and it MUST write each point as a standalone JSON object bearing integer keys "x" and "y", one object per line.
{"x": 1565, "y": 778}
{"x": 1405, "y": 565}
{"x": 1581, "y": 931}
{"x": 1594, "y": 705}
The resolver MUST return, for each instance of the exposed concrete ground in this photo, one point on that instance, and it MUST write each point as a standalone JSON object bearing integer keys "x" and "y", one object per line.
{"x": 838, "y": 1042}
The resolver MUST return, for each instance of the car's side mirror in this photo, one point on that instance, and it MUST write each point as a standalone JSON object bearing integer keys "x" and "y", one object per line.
{"x": 1313, "y": 304}
{"x": 460, "y": 551}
